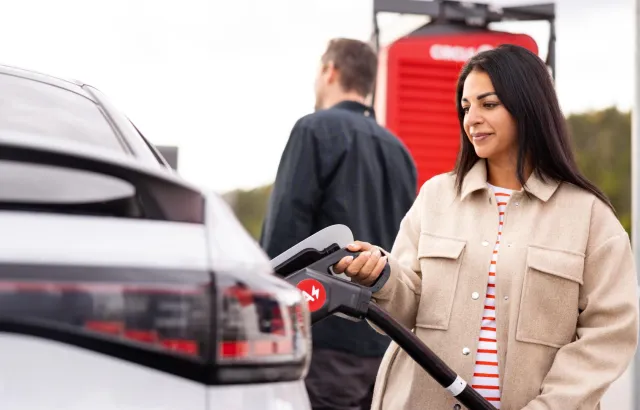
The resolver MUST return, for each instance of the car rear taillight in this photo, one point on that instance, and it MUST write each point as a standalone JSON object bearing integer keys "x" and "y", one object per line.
{"x": 168, "y": 317}
{"x": 225, "y": 329}
{"x": 263, "y": 331}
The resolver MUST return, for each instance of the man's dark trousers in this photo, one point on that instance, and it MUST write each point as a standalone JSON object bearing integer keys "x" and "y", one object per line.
{"x": 357, "y": 375}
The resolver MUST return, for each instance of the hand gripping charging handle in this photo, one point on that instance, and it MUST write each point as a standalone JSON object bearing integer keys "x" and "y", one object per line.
{"x": 354, "y": 300}
{"x": 342, "y": 296}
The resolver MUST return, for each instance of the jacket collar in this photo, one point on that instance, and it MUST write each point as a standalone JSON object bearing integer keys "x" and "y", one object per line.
{"x": 476, "y": 179}
{"x": 356, "y": 107}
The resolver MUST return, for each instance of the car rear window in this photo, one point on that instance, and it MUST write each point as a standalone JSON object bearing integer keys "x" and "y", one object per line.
{"x": 29, "y": 107}
{"x": 43, "y": 184}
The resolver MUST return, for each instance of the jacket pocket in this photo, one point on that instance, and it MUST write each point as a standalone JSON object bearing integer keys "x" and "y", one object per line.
{"x": 440, "y": 259}
{"x": 549, "y": 302}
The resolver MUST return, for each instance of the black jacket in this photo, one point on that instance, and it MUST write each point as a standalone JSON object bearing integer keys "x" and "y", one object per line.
{"x": 341, "y": 167}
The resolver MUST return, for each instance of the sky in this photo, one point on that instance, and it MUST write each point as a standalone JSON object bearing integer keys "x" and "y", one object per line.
{"x": 225, "y": 80}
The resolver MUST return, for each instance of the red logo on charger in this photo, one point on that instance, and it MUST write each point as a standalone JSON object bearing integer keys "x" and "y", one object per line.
{"x": 314, "y": 293}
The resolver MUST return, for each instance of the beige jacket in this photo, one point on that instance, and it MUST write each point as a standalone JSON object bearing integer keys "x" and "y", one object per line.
{"x": 566, "y": 301}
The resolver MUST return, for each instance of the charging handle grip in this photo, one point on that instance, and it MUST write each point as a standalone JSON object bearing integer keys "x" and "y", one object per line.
{"x": 324, "y": 265}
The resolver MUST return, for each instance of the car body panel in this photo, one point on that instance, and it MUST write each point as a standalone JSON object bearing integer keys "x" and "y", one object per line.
{"x": 54, "y": 376}
{"x": 101, "y": 383}
{"x": 85, "y": 240}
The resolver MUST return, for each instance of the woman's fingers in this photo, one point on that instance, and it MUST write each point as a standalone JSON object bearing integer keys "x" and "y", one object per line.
{"x": 382, "y": 262}
{"x": 345, "y": 262}
{"x": 359, "y": 246}
{"x": 366, "y": 267}
{"x": 342, "y": 264}
{"x": 356, "y": 265}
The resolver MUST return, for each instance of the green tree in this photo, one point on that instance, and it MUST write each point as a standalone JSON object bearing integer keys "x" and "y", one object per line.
{"x": 603, "y": 148}
{"x": 250, "y": 207}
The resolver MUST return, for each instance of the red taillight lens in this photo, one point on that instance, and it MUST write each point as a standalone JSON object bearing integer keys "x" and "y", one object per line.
{"x": 262, "y": 324}
{"x": 220, "y": 328}
{"x": 171, "y": 317}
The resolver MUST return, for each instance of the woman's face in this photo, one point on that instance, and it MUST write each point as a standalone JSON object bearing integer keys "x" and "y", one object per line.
{"x": 487, "y": 123}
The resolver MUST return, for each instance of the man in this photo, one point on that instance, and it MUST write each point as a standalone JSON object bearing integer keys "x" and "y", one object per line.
{"x": 340, "y": 167}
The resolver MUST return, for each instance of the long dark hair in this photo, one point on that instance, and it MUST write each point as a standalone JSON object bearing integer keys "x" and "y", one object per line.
{"x": 523, "y": 84}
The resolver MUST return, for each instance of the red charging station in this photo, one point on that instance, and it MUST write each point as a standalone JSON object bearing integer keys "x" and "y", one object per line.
{"x": 415, "y": 91}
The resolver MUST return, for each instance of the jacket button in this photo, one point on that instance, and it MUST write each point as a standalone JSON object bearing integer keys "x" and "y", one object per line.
{"x": 506, "y": 298}
{"x": 475, "y": 295}
{"x": 466, "y": 351}
{"x": 485, "y": 243}
{"x": 456, "y": 407}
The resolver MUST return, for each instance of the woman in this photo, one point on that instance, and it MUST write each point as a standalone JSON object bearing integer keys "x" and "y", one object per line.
{"x": 513, "y": 268}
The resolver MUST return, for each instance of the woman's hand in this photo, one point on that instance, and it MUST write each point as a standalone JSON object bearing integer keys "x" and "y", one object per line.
{"x": 364, "y": 269}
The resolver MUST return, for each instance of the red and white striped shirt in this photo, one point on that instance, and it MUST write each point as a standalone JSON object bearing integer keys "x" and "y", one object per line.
{"x": 486, "y": 379}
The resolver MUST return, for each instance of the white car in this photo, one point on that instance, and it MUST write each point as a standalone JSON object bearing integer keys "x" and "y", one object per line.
{"x": 121, "y": 285}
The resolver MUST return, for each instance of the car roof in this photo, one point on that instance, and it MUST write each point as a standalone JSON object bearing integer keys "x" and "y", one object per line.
{"x": 67, "y": 84}
{"x": 87, "y": 91}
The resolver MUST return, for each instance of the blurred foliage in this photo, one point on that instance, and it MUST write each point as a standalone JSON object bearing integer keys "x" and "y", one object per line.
{"x": 602, "y": 140}
{"x": 250, "y": 207}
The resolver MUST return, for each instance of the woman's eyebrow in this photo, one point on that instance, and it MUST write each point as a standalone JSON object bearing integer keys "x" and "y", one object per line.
{"x": 480, "y": 96}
